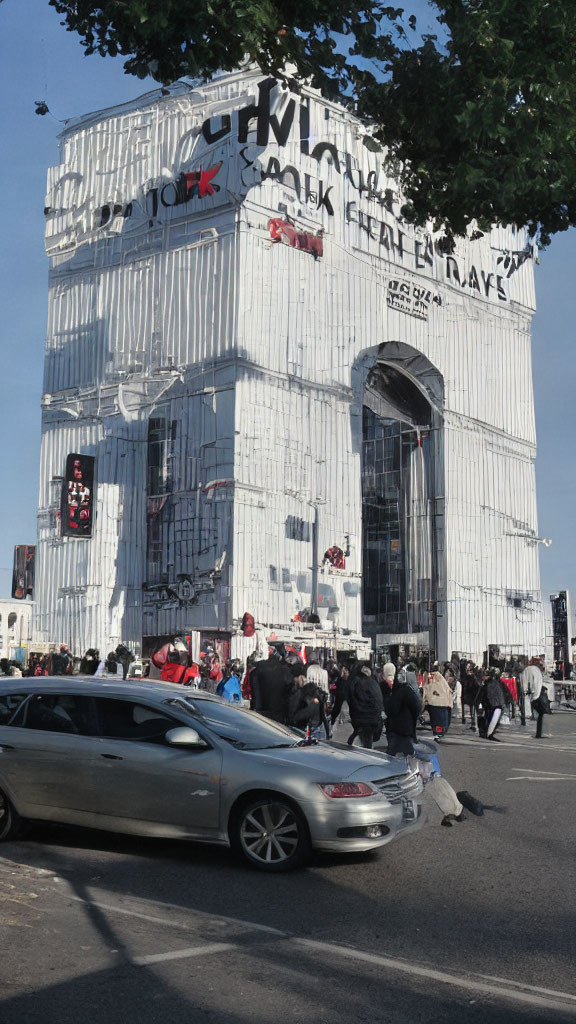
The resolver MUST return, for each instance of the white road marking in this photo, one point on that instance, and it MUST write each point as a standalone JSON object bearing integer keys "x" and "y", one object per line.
{"x": 481, "y": 743}
{"x": 540, "y": 775}
{"x": 495, "y": 987}
{"x": 533, "y": 778}
{"x": 501, "y": 987}
{"x": 184, "y": 954}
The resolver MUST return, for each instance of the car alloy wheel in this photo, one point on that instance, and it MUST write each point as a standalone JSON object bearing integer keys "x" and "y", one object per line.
{"x": 272, "y": 835}
{"x": 9, "y": 820}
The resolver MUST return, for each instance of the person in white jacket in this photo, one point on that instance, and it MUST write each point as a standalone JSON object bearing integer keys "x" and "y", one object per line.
{"x": 532, "y": 680}
{"x": 438, "y": 701}
{"x": 533, "y": 685}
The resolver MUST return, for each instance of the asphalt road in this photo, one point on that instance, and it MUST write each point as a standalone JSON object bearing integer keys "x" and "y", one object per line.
{"x": 469, "y": 923}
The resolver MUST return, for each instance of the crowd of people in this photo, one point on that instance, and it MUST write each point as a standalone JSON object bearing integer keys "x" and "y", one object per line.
{"x": 63, "y": 663}
{"x": 397, "y": 699}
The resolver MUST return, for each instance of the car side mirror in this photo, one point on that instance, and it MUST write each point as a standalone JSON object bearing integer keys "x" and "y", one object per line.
{"x": 184, "y": 736}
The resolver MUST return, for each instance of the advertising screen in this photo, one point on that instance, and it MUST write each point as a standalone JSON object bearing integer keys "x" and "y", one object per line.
{"x": 77, "y": 496}
{"x": 23, "y": 572}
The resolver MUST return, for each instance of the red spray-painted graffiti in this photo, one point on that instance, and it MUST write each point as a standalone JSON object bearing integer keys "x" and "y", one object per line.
{"x": 202, "y": 181}
{"x": 283, "y": 231}
{"x": 189, "y": 185}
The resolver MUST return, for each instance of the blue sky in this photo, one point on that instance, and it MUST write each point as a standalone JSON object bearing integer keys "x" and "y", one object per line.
{"x": 39, "y": 60}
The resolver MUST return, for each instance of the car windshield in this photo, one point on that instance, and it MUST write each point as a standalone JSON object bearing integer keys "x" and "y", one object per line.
{"x": 245, "y": 729}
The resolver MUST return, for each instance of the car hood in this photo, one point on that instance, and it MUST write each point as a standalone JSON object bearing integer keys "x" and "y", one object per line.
{"x": 332, "y": 761}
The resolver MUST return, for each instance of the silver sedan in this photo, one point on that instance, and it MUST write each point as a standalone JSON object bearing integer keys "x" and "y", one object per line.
{"x": 156, "y": 759}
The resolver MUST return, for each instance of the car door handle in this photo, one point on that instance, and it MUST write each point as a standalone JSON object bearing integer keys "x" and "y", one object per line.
{"x": 112, "y": 757}
{"x": 6, "y": 746}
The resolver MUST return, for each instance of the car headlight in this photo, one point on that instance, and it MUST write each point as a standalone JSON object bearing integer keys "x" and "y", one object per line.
{"x": 339, "y": 790}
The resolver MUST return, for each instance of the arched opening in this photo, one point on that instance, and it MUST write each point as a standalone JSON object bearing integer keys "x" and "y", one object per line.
{"x": 400, "y": 474}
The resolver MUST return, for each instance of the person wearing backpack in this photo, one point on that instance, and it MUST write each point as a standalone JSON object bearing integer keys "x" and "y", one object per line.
{"x": 229, "y": 687}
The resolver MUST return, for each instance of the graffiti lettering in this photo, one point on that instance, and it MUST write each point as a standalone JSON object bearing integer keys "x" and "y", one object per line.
{"x": 326, "y": 147}
{"x": 200, "y": 182}
{"x": 265, "y": 120}
{"x": 106, "y": 214}
{"x": 424, "y": 253}
{"x": 470, "y": 279}
{"x": 190, "y": 185}
{"x": 211, "y": 136}
{"x": 276, "y": 173}
{"x": 380, "y": 231}
{"x": 411, "y": 298}
{"x": 323, "y": 198}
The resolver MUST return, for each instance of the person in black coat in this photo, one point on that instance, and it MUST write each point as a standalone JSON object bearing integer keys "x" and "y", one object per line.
{"x": 307, "y": 704}
{"x": 271, "y": 683}
{"x": 470, "y": 693}
{"x": 366, "y": 706}
{"x": 492, "y": 700}
{"x": 341, "y": 680}
{"x": 402, "y": 707}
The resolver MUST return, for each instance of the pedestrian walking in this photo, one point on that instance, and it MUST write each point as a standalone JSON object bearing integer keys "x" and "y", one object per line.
{"x": 450, "y": 677}
{"x": 62, "y": 662}
{"x": 402, "y": 707}
{"x": 272, "y": 683}
{"x": 493, "y": 702}
{"x": 90, "y": 662}
{"x": 470, "y": 683}
{"x": 531, "y": 680}
{"x": 340, "y": 682}
{"x": 366, "y": 707}
{"x": 388, "y": 676}
{"x": 438, "y": 703}
{"x": 205, "y": 681}
{"x": 541, "y": 707}
{"x": 229, "y": 687}
{"x": 307, "y": 704}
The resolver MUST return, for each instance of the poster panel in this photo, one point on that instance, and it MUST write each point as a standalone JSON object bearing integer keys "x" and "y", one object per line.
{"x": 23, "y": 571}
{"x": 76, "y": 510}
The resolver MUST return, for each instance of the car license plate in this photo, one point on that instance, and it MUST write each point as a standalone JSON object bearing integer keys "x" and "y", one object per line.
{"x": 408, "y": 810}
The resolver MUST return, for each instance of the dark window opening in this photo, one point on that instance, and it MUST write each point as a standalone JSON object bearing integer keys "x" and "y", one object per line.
{"x": 398, "y": 576}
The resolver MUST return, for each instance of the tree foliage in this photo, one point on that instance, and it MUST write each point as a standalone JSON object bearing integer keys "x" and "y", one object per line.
{"x": 479, "y": 122}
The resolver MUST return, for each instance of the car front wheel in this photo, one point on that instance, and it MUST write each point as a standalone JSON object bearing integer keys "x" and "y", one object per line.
{"x": 9, "y": 820}
{"x": 271, "y": 834}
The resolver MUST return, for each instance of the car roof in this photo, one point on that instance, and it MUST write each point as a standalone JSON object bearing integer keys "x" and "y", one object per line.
{"x": 148, "y": 689}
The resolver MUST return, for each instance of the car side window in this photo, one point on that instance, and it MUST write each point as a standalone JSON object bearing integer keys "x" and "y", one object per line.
{"x": 57, "y": 712}
{"x": 131, "y": 720}
{"x": 9, "y": 704}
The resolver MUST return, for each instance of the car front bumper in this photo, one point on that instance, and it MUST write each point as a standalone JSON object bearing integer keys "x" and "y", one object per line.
{"x": 349, "y": 825}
